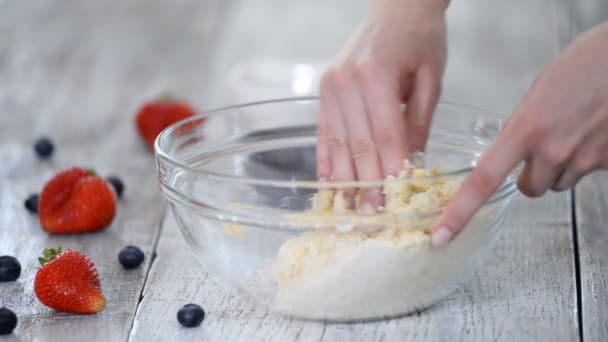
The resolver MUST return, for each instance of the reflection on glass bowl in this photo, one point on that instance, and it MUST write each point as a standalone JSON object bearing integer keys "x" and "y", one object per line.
{"x": 272, "y": 78}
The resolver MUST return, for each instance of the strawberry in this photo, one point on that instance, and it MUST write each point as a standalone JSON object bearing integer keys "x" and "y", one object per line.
{"x": 68, "y": 281}
{"x": 153, "y": 117}
{"x": 76, "y": 201}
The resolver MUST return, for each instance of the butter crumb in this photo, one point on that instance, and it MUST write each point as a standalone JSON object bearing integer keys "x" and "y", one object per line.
{"x": 234, "y": 229}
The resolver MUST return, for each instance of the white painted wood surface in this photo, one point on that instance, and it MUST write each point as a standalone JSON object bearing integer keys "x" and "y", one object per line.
{"x": 534, "y": 261}
{"x": 524, "y": 291}
{"x": 77, "y": 71}
{"x": 592, "y": 227}
{"x": 591, "y": 211}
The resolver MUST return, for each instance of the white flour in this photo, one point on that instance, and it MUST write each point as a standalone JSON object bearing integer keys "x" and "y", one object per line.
{"x": 332, "y": 275}
{"x": 340, "y": 278}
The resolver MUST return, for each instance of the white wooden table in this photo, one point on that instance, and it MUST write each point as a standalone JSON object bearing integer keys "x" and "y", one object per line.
{"x": 77, "y": 70}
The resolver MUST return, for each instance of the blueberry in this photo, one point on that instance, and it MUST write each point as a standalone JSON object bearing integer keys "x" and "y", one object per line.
{"x": 131, "y": 257}
{"x": 117, "y": 184}
{"x": 10, "y": 268}
{"x": 190, "y": 315}
{"x": 8, "y": 321}
{"x": 44, "y": 147}
{"x": 31, "y": 203}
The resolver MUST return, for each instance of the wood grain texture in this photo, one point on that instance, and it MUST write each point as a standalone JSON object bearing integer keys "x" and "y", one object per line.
{"x": 524, "y": 291}
{"x": 592, "y": 229}
{"x": 77, "y": 71}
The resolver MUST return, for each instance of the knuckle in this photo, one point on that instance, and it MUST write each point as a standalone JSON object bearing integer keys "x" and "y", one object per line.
{"x": 585, "y": 163}
{"x": 386, "y": 136}
{"x": 337, "y": 144}
{"x": 341, "y": 78}
{"x": 322, "y": 133}
{"x": 369, "y": 70}
{"x": 417, "y": 121}
{"x": 525, "y": 183}
{"x": 554, "y": 155}
{"x": 323, "y": 160}
{"x": 362, "y": 148}
{"x": 528, "y": 189}
{"x": 323, "y": 166}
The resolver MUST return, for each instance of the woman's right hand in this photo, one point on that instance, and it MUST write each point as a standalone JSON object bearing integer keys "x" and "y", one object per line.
{"x": 397, "y": 56}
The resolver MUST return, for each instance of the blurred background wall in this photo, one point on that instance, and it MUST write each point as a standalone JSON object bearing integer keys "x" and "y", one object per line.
{"x": 496, "y": 48}
{"x": 69, "y": 55}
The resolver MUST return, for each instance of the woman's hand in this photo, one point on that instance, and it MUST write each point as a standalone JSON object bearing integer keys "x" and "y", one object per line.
{"x": 396, "y": 57}
{"x": 560, "y": 130}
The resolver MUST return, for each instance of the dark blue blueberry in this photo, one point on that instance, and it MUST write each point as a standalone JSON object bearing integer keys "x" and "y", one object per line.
{"x": 8, "y": 321}
{"x": 190, "y": 315}
{"x": 31, "y": 203}
{"x": 117, "y": 184}
{"x": 10, "y": 268}
{"x": 131, "y": 257}
{"x": 44, "y": 147}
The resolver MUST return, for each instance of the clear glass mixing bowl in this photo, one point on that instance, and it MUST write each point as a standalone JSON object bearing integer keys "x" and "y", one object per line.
{"x": 236, "y": 176}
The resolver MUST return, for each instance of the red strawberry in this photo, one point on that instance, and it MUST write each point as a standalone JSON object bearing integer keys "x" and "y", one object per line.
{"x": 157, "y": 115}
{"x": 76, "y": 201}
{"x": 68, "y": 282}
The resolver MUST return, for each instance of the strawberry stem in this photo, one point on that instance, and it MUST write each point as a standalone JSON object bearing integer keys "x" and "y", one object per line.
{"x": 92, "y": 172}
{"x": 49, "y": 254}
{"x": 166, "y": 97}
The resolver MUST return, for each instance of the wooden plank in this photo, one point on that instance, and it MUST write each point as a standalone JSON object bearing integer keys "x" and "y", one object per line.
{"x": 77, "y": 71}
{"x": 592, "y": 232}
{"x": 524, "y": 291}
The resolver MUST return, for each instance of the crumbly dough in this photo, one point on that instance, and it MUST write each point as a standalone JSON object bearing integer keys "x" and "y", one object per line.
{"x": 235, "y": 230}
{"x": 323, "y": 262}
{"x": 412, "y": 200}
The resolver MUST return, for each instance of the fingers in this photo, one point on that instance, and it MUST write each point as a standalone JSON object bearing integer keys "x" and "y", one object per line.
{"x": 587, "y": 159}
{"x": 537, "y": 177}
{"x": 323, "y": 133}
{"x": 363, "y": 148}
{"x": 383, "y": 99}
{"x": 335, "y": 140}
{"x": 567, "y": 180}
{"x": 491, "y": 171}
{"x": 421, "y": 106}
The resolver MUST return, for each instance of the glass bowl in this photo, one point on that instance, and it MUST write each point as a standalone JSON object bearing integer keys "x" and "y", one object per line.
{"x": 240, "y": 180}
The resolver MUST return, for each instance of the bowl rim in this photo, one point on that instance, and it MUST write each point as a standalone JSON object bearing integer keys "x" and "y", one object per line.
{"x": 164, "y": 156}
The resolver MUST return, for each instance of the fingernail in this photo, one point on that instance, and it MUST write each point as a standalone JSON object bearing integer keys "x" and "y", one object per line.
{"x": 441, "y": 237}
{"x": 366, "y": 209}
{"x": 323, "y": 179}
{"x": 417, "y": 158}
